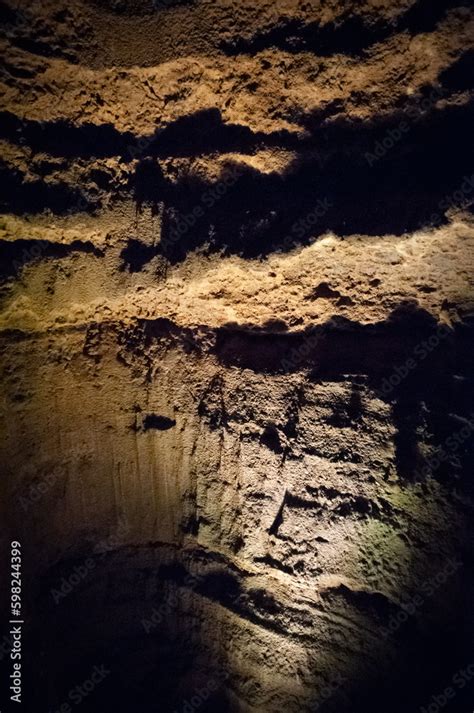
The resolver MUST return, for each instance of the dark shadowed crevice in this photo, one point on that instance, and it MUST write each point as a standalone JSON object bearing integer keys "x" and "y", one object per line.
{"x": 354, "y": 191}
{"x": 460, "y": 76}
{"x": 62, "y": 138}
{"x": 351, "y": 35}
{"x": 237, "y": 392}
{"x": 20, "y": 196}
{"x": 136, "y": 255}
{"x": 14, "y": 255}
{"x": 155, "y": 422}
{"x": 129, "y": 8}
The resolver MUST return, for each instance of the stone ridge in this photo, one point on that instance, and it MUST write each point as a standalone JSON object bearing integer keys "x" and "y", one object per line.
{"x": 236, "y": 313}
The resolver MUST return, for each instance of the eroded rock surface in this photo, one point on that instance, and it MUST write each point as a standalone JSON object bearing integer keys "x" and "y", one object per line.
{"x": 236, "y": 263}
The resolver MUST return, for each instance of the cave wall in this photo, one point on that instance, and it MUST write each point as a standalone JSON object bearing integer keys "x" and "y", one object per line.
{"x": 236, "y": 351}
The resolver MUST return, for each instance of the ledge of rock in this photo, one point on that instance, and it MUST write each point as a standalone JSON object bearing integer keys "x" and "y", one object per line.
{"x": 236, "y": 328}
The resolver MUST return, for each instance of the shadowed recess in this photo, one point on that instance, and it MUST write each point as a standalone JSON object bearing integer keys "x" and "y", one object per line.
{"x": 352, "y": 35}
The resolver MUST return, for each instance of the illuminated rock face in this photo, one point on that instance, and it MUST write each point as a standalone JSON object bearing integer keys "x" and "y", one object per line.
{"x": 236, "y": 339}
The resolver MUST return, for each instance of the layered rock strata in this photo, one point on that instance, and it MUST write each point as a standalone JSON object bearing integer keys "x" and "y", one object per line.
{"x": 236, "y": 262}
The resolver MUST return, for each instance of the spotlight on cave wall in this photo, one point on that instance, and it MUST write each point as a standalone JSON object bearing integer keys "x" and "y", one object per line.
{"x": 236, "y": 289}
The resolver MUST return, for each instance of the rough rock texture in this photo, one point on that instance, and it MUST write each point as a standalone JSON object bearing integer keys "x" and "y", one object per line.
{"x": 237, "y": 271}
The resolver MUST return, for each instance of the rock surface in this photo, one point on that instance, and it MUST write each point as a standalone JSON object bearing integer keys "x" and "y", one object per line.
{"x": 237, "y": 290}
